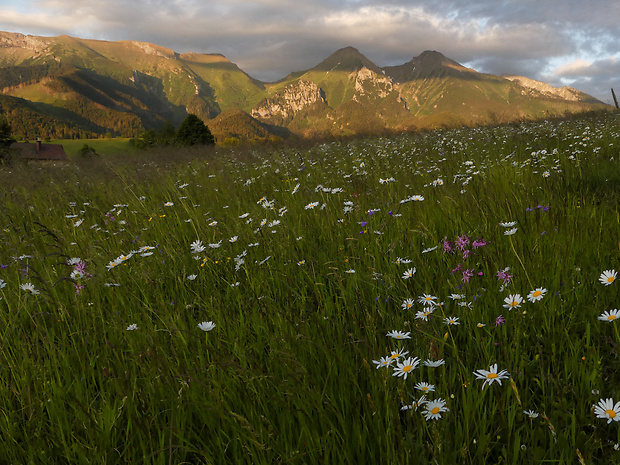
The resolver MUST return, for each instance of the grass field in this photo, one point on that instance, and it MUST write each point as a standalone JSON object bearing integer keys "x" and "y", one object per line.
{"x": 441, "y": 298}
{"x": 105, "y": 147}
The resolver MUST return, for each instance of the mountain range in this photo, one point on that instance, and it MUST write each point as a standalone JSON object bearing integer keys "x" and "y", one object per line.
{"x": 59, "y": 87}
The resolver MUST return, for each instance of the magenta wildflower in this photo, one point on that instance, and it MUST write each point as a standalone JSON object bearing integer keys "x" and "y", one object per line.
{"x": 467, "y": 274}
{"x": 500, "y": 320}
{"x": 478, "y": 243}
{"x": 504, "y": 276}
{"x": 447, "y": 245}
{"x": 462, "y": 242}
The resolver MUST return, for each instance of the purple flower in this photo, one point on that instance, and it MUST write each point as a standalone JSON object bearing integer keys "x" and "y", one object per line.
{"x": 447, "y": 245}
{"x": 467, "y": 274}
{"x": 462, "y": 242}
{"x": 504, "y": 276}
{"x": 478, "y": 243}
{"x": 466, "y": 254}
{"x": 364, "y": 223}
{"x": 500, "y": 320}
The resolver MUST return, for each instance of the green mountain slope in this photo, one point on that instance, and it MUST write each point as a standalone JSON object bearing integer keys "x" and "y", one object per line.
{"x": 124, "y": 87}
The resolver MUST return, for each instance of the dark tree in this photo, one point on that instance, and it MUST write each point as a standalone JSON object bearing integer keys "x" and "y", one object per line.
{"x": 5, "y": 140}
{"x": 193, "y": 131}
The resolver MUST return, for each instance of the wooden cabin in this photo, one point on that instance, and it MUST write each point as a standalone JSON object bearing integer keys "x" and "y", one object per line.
{"x": 38, "y": 151}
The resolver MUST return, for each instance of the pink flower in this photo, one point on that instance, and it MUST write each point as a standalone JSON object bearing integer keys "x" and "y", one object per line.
{"x": 467, "y": 274}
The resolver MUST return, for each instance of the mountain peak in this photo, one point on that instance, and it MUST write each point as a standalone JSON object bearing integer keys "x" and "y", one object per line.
{"x": 429, "y": 63}
{"x": 346, "y": 59}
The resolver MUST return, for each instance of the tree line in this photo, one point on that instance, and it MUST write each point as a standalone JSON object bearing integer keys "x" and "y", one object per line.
{"x": 191, "y": 131}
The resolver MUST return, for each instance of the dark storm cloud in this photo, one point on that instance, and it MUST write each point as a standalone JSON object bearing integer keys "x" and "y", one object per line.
{"x": 271, "y": 38}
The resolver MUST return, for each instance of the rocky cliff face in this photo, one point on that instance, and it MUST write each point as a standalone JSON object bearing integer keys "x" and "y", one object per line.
{"x": 367, "y": 80}
{"x": 566, "y": 93}
{"x": 289, "y": 101}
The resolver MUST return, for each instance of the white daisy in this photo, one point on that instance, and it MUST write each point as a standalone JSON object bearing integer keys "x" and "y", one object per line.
{"x": 398, "y": 334}
{"x": 536, "y": 294}
{"x": 607, "y": 277}
{"x": 610, "y": 316}
{"x": 607, "y": 410}
{"x": 206, "y": 325}
{"x": 406, "y": 366}
{"x": 433, "y": 409}
{"x": 492, "y": 375}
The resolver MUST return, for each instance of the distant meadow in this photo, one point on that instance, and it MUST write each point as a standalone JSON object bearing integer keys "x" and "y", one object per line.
{"x": 447, "y": 297}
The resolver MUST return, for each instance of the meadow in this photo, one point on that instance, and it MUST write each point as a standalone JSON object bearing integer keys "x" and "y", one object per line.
{"x": 444, "y": 298}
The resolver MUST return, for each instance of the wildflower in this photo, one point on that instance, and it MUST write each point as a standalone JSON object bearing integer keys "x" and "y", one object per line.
{"x": 233, "y": 239}
{"x": 492, "y": 375}
{"x": 415, "y": 404}
{"x": 301, "y": 262}
{"x": 168, "y": 204}
{"x": 407, "y": 304}
{"x": 610, "y": 315}
{"x": 132, "y": 327}
{"x": 481, "y": 325}
{"x": 478, "y": 243}
{"x": 607, "y": 277}
{"x": 311, "y": 205}
{"x": 607, "y": 410}
{"x": 530, "y": 413}
{"x": 213, "y": 223}
{"x": 500, "y": 320}
{"x": 216, "y": 245}
{"x": 504, "y": 276}
{"x": 398, "y": 334}
{"x": 191, "y": 277}
{"x": 383, "y": 362}
{"x": 78, "y": 223}
{"x": 425, "y": 387}
{"x": 430, "y": 249}
{"x": 434, "y": 363}
{"x": 513, "y": 301}
{"x": 424, "y": 314}
{"x": 407, "y": 366}
{"x": 409, "y": 273}
{"x": 451, "y": 320}
{"x": 206, "y": 325}
{"x": 510, "y": 232}
{"x": 427, "y": 299}
{"x": 456, "y": 296}
{"x": 396, "y": 354}
{"x": 350, "y": 271}
{"x": 2, "y": 283}
{"x": 536, "y": 294}
{"x": 467, "y": 274}
{"x": 29, "y": 287}
{"x": 508, "y": 225}
{"x": 433, "y": 409}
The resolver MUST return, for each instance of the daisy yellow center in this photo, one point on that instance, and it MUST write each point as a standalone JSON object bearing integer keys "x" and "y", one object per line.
{"x": 514, "y": 303}
{"x": 435, "y": 410}
{"x": 492, "y": 375}
{"x": 611, "y": 317}
{"x": 408, "y": 305}
{"x": 611, "y": 413}
{"x": 425, "y": 388}
{"x": 428, "y": 298}
{"x": 393, "y": 356}
{"x": 407, "y": 368}
{"x": 610, "y": 279}
{"x": 537, "y": 294}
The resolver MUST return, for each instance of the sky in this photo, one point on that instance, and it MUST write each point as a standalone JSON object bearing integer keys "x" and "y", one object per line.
{"x": 561, "y": 42}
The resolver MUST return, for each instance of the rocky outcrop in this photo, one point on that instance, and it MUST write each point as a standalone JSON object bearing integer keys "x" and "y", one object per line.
{"x": 367, "y": 81}
{"x": 289, "y": 101}
{"x": 566, "y": 93}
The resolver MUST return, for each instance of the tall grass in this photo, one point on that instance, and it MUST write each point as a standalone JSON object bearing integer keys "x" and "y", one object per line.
{"x": 300, "y": 266}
